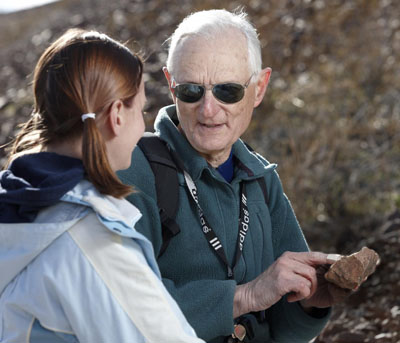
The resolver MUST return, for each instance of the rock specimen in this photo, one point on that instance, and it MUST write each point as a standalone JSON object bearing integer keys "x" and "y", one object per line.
{"x": 350, "y": 271}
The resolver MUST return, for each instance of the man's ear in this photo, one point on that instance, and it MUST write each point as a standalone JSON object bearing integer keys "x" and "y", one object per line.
{"x": 115, "y": 118}
{"x": 262, "y": 84}
{"x": 169, "y": 79}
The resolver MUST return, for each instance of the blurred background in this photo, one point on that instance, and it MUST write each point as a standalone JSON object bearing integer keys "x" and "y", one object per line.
{"x": 330, "y": 118}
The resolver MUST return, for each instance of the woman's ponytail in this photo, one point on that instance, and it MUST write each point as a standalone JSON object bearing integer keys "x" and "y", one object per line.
{"x": 96, "y": 164}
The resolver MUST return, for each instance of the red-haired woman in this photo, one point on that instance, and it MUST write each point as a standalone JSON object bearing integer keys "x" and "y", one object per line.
{"x": 72, "y": 266}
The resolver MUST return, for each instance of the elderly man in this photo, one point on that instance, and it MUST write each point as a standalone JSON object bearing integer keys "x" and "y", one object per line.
{"x": 240, "y": 267}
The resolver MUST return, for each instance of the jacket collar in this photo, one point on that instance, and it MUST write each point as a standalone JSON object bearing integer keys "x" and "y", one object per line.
{"x": 118, "y": 215}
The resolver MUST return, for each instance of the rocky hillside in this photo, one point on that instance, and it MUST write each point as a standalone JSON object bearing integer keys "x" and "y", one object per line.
{"x": 372, "y": 314}
{"x": 331, "y": 117}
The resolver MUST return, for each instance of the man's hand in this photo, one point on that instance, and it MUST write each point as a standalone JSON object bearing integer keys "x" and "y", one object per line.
{"x": 299, "y": 275}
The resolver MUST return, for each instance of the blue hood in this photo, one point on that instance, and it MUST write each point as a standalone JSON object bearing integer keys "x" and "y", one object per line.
{"x": 35, "y": 181}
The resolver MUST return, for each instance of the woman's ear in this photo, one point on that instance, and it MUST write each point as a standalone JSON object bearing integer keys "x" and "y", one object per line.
{"x": 170, "y": 81}
{"x": 262, "y": 84}
{"x": 115, "y": 117}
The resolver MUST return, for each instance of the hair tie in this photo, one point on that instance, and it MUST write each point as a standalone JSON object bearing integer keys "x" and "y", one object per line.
{"x": 88, "y": 115}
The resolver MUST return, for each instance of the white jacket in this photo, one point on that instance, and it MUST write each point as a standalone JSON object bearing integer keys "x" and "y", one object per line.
{"x": 82, "y": 273}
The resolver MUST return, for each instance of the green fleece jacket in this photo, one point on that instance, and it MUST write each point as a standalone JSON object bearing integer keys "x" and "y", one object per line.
{"x": 191, "y": 270}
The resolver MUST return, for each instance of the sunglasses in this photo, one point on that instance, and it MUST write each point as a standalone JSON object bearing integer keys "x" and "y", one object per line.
{"x": 228, "y": 93}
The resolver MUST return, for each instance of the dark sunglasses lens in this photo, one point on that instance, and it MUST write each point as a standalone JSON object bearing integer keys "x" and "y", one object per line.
{"x": 228, "y": 92}
{"x": 189, "y": 92}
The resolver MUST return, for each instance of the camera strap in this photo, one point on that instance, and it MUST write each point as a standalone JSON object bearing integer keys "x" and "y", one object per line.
{"x": 212, "y": 238}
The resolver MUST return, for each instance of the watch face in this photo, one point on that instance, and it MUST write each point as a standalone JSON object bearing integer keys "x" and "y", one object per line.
{"x": 239, "y": 332}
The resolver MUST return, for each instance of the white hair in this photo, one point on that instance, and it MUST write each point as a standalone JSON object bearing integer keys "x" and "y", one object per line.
{"x": 211, "y": 22}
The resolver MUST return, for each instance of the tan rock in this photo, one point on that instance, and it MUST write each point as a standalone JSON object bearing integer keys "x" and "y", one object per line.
{"x": 351, "y": 271}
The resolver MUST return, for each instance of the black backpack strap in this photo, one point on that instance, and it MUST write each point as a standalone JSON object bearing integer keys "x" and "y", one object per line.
{"x": 165, "y": 171}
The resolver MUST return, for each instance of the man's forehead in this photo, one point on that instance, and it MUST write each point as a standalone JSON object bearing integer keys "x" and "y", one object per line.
{"x": 195, "y": 53}
{"x": 233, "y": 38}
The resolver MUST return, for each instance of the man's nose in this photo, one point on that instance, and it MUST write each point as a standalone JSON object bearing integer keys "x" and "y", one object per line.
{"x": 209, "y": 104}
